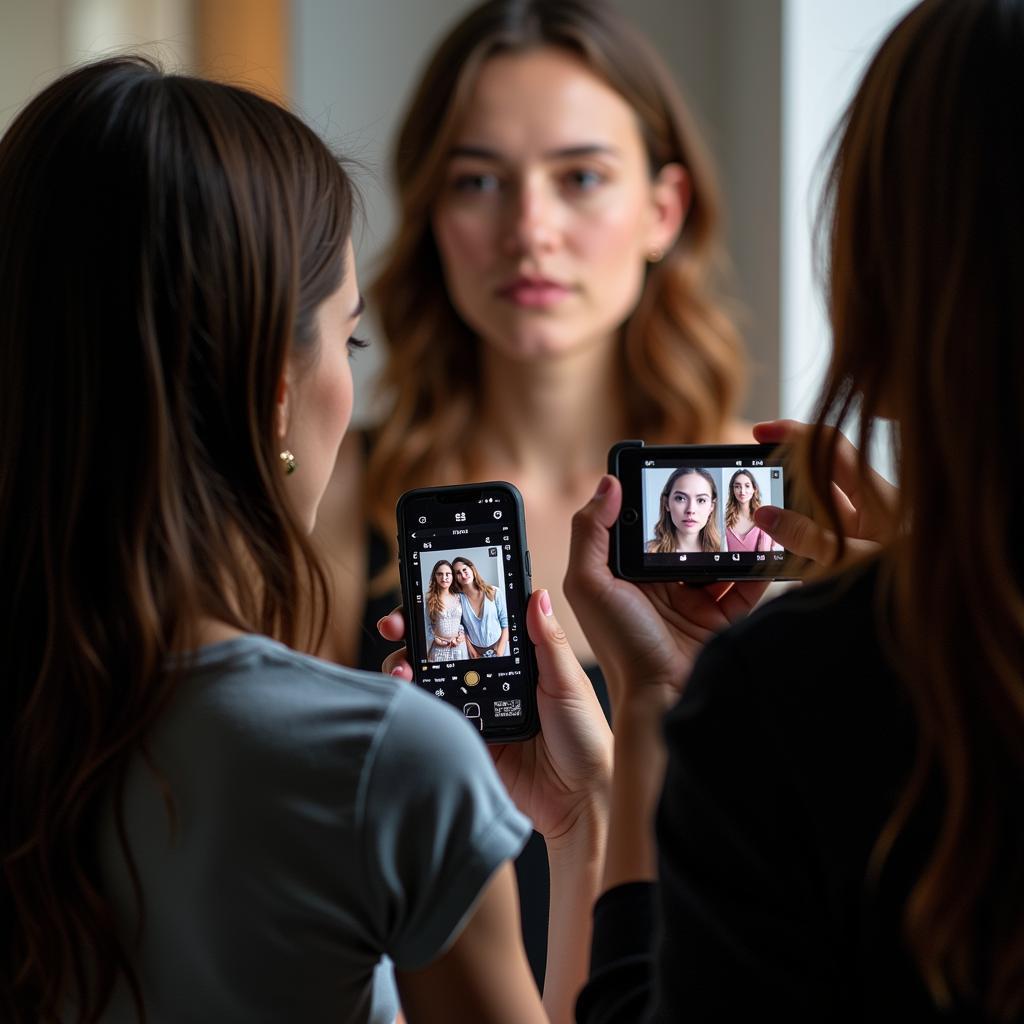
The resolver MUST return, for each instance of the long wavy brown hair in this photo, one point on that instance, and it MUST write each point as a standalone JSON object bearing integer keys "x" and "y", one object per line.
{"x": 732, "y": 506}
{"x": 435, "y": 604}
{"x": 682, "y": 360}
{"x": 925, "y": 211}
{"x": 665, "y": 539}
{"x": 166, "y": 244}
{"x": 487, "y": 589}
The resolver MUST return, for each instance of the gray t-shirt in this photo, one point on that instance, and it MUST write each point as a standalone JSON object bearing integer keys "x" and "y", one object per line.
{"x": 326, "y": 819}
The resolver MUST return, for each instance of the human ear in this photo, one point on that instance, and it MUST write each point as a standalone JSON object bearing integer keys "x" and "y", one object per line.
{"x": 671, "y": 194}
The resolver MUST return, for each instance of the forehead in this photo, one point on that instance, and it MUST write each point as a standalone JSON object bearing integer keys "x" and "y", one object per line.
{"x": 690, "y": 483}
{"x": 545, "y": 99}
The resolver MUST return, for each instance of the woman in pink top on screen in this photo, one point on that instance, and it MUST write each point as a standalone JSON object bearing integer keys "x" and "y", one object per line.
{"x": 741, "y": 534}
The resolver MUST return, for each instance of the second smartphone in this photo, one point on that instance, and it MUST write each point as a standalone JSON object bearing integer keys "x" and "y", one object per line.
{"x": 466, "y": 580}
{"x": 687, "y": 512}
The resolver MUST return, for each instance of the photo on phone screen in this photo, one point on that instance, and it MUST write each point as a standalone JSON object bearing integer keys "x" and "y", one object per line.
{"x": 688, "y": 511}
{"x": 466, "y": 582}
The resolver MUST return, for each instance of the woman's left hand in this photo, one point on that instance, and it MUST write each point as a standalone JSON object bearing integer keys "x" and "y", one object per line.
{"x": 560, "y": 778}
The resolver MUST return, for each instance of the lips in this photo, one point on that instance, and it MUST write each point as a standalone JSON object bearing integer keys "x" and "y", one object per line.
{"x": 529, "y": 292}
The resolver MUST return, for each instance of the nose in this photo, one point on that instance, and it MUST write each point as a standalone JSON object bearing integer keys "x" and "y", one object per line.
{"x": 532, "y": 226}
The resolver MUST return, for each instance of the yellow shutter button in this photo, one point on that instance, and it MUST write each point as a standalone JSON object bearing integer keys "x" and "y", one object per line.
{"x": 471, "y": 678}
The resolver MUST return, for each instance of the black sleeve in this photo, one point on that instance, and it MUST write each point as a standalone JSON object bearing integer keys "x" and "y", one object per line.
{"x": 744, "y": 921}
{"x": 621, "y": 956}
{"x": 737, "y": 925}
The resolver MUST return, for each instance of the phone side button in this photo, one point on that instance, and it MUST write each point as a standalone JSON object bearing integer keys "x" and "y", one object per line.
{"x": 529, "y": 567}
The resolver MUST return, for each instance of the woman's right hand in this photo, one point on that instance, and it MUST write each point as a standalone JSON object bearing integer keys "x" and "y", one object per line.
{"x": 866, "y": 507}
{"x": 645, "y": 637}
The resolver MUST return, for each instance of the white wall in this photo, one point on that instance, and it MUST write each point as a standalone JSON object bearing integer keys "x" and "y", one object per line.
{"x": 825, "y": 49}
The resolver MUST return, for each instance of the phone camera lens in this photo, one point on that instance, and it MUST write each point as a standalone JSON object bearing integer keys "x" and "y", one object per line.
{"x": 630, "y": 516}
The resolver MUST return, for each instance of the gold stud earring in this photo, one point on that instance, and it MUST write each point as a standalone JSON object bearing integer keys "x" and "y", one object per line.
{"x": 288, "y": 461}
{"x": 654, "y": 255}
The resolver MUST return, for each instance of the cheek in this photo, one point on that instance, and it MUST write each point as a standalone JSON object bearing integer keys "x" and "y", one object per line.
{"x": 465, "y": 239}
{"x": 608, "y": 241}
{"x": 334, "y": 396}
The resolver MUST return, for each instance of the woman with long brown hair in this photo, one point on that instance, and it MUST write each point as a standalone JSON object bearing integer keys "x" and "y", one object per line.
{"x": 446, "y": 636}
{"x": 841, "y": 827}
{"x": 550, "y": 288}
{"x": 743, "y": 499}
{"x": 687, "y": 514}
{"x": 198, "y": 822}
{"x": 483, "y": 610}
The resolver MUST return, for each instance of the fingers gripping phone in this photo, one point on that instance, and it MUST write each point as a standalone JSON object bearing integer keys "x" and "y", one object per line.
{"x": 466, "y": 579}
{"x": 687, "y": 512}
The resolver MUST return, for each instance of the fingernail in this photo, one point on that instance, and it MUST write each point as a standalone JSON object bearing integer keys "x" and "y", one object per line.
{"x": 767, "y": 516}
{"x": 398, "y": 672}
{"x": 545, "y": 603}
{"x": 603, "y": 487}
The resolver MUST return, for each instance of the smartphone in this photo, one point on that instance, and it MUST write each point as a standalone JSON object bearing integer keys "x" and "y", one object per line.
{"x": 686, "y": 512}
{"x": 466, "y": 579}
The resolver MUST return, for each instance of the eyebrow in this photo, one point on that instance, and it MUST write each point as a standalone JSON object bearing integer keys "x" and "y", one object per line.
{"x": 699, "y": 494}
{"x": 358, "y": 311}
{"x": 565, "y": 152}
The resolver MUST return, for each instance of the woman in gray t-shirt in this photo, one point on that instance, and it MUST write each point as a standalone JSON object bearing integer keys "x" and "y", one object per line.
{"x": 201, "y": 823}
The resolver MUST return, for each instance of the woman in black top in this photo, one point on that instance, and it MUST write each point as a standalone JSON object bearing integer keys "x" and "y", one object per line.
{"x": 841, "y": 831}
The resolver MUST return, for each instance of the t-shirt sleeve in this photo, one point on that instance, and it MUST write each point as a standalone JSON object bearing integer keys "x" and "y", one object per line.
{"x": 499, "y": 603}
{"x": 437, "y": 823}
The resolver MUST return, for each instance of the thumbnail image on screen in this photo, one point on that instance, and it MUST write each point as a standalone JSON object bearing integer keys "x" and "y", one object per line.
{"x": 691, "y": 512}
{"x": 465, "y": 610}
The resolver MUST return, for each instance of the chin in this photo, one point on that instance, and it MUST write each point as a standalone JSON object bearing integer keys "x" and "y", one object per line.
{"x": 540, "y": 344}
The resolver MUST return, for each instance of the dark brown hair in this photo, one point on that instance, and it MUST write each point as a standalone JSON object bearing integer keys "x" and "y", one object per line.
{"x": 925, "y": 211}
{"x": 166, "y": 244}
{"x": 434, "y": 604}
{"x": 682, "y": 360}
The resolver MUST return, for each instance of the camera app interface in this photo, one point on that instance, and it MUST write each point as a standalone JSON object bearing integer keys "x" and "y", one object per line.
{"x": 470, "y": 598}
{"x": 703, "y": 514}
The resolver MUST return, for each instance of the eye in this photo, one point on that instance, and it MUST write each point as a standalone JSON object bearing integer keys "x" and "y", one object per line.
{"x": 583, "y": 179}
{"x": 355, "y": 343}
{"x": 479, "y": 183}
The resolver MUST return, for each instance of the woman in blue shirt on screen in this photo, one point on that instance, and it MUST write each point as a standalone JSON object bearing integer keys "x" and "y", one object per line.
{"x": 483, "y": 611}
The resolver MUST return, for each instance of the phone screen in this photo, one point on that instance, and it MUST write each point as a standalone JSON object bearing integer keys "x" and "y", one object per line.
{"x": 688, "y": 512}
{"x": 467, "y": 580}
{"x": 706, "y": 508}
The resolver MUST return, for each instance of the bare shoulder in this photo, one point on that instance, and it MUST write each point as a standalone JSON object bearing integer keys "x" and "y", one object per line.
{"x": 340, "y": 537}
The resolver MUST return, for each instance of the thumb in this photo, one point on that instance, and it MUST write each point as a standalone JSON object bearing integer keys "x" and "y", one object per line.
{"x": 560, "y": 671}
{"x": 588, "y": 546}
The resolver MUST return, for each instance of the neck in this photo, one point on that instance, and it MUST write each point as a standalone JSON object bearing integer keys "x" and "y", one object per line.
{"x": 553, "y": 416}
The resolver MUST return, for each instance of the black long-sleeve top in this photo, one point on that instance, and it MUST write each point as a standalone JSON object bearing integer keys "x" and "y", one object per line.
{"x": 787, "y": 752}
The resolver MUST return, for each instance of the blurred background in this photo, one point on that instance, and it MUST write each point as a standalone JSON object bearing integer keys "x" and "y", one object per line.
{"x": 767, "y": 79}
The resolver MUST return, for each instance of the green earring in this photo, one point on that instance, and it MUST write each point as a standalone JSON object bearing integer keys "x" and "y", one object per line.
{"x": 288, "y": 461}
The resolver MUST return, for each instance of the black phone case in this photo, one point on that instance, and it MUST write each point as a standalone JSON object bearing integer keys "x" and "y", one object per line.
{"x": 700, "y": 577}
{"x": 531, "y": 721}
